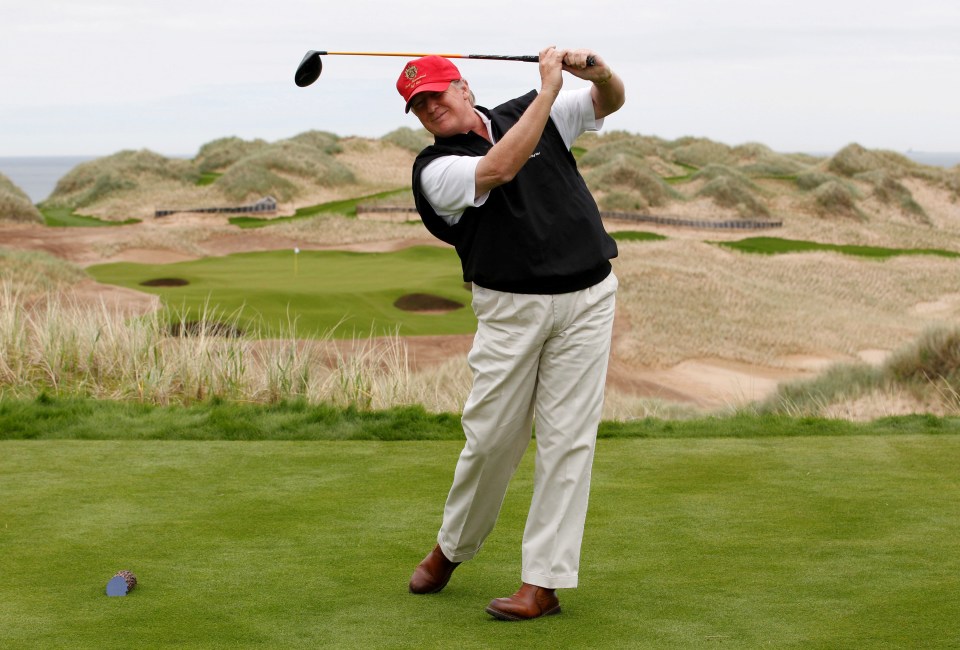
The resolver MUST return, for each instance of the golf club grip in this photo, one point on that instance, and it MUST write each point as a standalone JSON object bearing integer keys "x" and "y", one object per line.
{"x": 534, "y": 58}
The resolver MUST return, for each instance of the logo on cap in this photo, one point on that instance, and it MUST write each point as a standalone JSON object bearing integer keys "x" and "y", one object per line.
{"x": 410, "y": 72}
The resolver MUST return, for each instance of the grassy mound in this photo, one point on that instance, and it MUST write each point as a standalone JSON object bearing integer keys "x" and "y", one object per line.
{"x": 627, "y": 183}
{"x": 284, "y": 169}
{"x": 123, "y": 172}
{"x": 409, "y": 139}
{"x": 220, "y": 154}
{"x": 700, "y": 152}
{"x": 835, "y": 198}
{"x": 889, "y": 191}
{"x": 15, "y": 205}
{"x": 33, "y": 273}
{"x": 732, "y": 191}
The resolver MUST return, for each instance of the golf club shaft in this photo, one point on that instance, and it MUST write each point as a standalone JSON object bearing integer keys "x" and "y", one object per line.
{"x": 529, "y": 58}
{"x": 310, "y": 67}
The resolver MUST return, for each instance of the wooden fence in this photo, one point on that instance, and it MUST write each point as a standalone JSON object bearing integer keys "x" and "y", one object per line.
{"x": 735, "y": 224}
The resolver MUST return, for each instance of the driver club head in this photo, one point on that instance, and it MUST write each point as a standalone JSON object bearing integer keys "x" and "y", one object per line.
{"x": 309, "y": 69}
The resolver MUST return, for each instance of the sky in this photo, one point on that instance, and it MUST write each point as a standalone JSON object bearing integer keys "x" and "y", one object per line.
{"x": 93, "y": 77}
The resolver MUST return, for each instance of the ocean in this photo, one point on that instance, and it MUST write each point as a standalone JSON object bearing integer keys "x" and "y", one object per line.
{"x": 38, "y": 175}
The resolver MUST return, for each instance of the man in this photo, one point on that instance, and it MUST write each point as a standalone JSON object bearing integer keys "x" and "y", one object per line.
{"x": 502, "y": 186}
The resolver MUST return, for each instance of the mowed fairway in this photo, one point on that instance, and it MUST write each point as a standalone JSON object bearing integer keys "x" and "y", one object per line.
{"x": 806, "y": 542}
{"x": 322, "y": 292}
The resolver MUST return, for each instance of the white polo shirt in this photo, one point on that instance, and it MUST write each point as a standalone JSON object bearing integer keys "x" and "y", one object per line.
{"x": 449, "y": 182}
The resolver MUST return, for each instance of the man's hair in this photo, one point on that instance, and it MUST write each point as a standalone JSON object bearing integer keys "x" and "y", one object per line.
{"x": 459, "y": 83}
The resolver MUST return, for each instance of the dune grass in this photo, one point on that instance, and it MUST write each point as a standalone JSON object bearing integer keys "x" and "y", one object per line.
{"x": 775, "y": 245}
{"x": 793, "y": 542}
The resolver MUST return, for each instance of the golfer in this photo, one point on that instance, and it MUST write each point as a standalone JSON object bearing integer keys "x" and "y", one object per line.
{"x": 502, "y": 187}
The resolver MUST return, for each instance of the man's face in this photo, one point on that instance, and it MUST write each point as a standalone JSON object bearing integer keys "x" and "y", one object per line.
{"x": 446, "y": 113}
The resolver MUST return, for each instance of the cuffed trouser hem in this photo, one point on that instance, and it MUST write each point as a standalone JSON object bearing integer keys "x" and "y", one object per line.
{"x": 456, "y": 557}
{"x": 549, "y": 582}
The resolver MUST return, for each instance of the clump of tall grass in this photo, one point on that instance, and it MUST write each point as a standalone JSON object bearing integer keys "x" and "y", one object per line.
{"x": 933, "y": 356}
{"x": 54, "y": 345}
{"x": 928, "y": 370}
{"x": 15, "y": 205}
{"x": 125, "y": 171}
{"x": 409, "y": 139}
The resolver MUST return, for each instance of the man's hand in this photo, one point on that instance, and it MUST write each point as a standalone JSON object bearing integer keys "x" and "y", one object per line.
{"x": 575, "y": 62}
{"x": 551, "y": 70}
{"x": 607, "y": 92}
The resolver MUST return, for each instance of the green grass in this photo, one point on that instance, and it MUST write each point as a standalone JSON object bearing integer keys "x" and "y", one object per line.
{"x": 208, "y": 178}
{"x": 808, "y": 542}
{"x": 636, "y": 235}
{"x": 346, "y": 207}
{"x": 775, "y": 246}
{"x": 66, "y": 217}
{"x": 323, "y": 291}
{"x": 65, "y": 418}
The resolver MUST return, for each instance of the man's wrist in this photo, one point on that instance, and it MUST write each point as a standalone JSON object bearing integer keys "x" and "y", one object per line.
{"x": 606, "y": 80}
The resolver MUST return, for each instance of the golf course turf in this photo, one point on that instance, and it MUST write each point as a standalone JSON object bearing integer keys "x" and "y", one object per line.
{"x": 801, "y": 542}
{"x": 344, "y": 293}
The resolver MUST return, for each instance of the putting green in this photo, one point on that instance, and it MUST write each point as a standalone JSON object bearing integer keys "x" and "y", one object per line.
{"x": 348, "y": 294}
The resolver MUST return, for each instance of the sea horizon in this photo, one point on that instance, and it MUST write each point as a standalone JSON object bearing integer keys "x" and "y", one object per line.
{"x": 38, "y": 175}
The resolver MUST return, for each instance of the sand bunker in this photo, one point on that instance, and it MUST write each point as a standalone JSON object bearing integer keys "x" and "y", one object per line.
{"x": 165, "y": 282}
{"x": 426, "y": 303}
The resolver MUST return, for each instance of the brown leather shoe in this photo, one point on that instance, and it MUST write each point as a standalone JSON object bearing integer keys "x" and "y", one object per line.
{"x": 433, "y": 573}
{"x": 530, "y": 602}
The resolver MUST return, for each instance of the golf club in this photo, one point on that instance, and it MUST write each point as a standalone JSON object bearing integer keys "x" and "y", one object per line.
{"x": 310, "y": 67}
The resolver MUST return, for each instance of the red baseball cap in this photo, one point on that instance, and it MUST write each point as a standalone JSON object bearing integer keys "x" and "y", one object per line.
{"x": 427, "y": 74}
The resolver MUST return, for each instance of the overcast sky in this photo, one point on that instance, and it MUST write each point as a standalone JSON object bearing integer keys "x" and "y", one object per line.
{"x": 93, "y": 77}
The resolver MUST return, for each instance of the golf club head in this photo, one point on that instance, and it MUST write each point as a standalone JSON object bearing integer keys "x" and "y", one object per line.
{"x": 309, "y": 69}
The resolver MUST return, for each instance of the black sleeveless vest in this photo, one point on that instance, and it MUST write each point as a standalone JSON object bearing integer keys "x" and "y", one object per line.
{"x": 539, "y": 233}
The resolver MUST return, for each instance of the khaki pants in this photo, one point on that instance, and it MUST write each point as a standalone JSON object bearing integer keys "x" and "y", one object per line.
{"x": 543, "y": 357}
